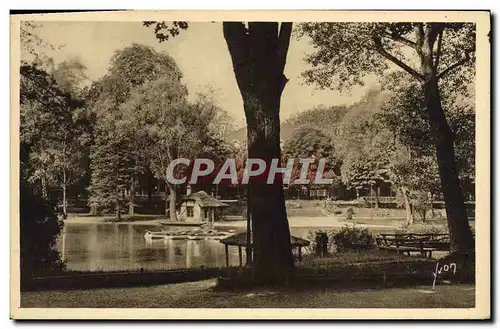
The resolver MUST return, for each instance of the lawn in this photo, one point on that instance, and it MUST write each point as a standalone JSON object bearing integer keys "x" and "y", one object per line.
{"x": 202, "y": 295}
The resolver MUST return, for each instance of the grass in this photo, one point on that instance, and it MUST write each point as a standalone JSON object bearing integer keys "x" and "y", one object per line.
{"x": 350, "y": 266}
{"x": 348, "y": 258}
{"x": 202, "y": 295}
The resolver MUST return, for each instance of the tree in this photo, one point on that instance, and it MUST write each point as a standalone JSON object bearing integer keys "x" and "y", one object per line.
{"x": 326, "y": 119}
{"x": 362, "y": 171}
{"x": 42, "y": 103}
{"x": 348, "y": 51}
{"x": 39, "y": 229}
{"x": 110, "y": 166}
{"x": 53, "y": 129}
{"x": 131, "y": 68}
{"x": 312, "y": 143}
{"x": 258, "y": 52}
{"x": 416, "y": 170}
{"x": 365, "y": 145}
{"x": 162, "y": 118}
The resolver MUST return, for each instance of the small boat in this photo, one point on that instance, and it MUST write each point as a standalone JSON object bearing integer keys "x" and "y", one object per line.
{"x": 194, "y": 237}
{"x": 154, "y": 235}
{"x": 176, "y": 237}
{"x": 216, "y": 237}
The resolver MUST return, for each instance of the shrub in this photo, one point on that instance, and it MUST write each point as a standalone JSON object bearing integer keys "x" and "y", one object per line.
{"x": 425, "y": 229}
{"x": 39, "y": 229}
{"x": 353, "y": 238}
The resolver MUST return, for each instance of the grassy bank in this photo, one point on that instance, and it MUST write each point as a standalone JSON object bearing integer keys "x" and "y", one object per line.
{"x": 71, "y": 280}
{"x": 203, "y": 295}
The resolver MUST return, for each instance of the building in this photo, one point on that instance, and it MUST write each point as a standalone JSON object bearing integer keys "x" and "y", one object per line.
{"x": 201, "y": 207}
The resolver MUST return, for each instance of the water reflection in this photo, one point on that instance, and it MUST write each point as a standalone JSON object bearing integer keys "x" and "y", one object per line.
{"x": 108, "y": 247}
{"x": 122, "y": 246}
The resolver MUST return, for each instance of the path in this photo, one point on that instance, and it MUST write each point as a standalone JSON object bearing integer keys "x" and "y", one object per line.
{"x": 200, "y": 294}
{"x": 314, "y": 222}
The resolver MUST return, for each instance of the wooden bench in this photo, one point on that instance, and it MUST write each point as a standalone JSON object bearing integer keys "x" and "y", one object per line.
{"x": 406, "y": 243}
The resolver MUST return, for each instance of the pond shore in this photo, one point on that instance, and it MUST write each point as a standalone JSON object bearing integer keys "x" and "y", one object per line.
{"x": 302, "y": 221}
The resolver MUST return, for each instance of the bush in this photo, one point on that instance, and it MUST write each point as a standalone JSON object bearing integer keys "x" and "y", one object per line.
{"x": 39, "y": 229}
{"x": 352, "y": 238}
{"x": 425, "y": 229}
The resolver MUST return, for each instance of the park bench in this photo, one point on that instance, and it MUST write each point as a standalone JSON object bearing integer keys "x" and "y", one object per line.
{"x": 407, "y": 243}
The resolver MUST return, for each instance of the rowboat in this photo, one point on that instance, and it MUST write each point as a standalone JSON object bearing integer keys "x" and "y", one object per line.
{"x": 176, "y": 237}
{"x": 154, "y": 235}
{"x": 195, "y": 237}
{"x": 188, "y": 235}
{"x": 182, "y": 224}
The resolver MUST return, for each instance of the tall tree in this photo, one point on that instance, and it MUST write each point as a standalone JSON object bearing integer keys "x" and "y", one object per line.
{"x": 42, "y": 104}
{"x": 130, "y": 69}
{"x": 258, "y": 51}
{"x": 312, "y": 143}
{"x": 417, "y": 170}
{"x": 53, "y": 129}
{"x": 345, "y": 52}
{"x": 158, "y": 112}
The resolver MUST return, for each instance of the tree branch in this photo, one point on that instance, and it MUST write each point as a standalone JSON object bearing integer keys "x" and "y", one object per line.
{"x": 419, "y": 34}
{"x": 438, "y": 51}
{"x": 434, "y": 30}
{"x": 400, "y": 39}
{"x": 457, "y": 64}
{"x": 380, "y": 49}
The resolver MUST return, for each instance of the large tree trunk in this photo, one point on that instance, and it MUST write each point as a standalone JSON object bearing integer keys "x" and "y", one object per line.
{"x": 460, "y": 233}
{"x": 458, "y": 224}
{"x": 65, "y": 202}
{"x": 131, "y": 201}
{"x": 431, "y": 201}
{"x": 259, "y": 56}
{"x": 170, "y": 201}
{"x": 118, "y": 211}
{"x": 409, "y": 212}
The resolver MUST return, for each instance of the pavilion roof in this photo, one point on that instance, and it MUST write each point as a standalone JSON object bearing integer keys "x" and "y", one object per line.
{"x": 205, "y": 200}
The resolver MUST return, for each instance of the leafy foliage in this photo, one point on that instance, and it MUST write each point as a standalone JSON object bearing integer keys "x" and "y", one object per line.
{"x": 39, "y": 228}
{"x": 352, "y": 238}
{"x": 345, "y": 53}
{"x": 144, "y": 121}
{"x": 308, "y": 142}
{"x": 119, "y": 152}
{"x": 54, "y": 135}
{"x": 163, "y": 30}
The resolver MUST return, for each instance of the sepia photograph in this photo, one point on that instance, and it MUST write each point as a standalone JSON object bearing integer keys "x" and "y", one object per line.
{"x": 250, "y": 165}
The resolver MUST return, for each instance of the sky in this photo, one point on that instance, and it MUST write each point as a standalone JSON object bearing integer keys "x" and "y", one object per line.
{"x": 200, "y": 52}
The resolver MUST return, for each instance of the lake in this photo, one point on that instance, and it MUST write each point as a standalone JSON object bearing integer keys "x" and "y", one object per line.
{"x": 110, "y": 247}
